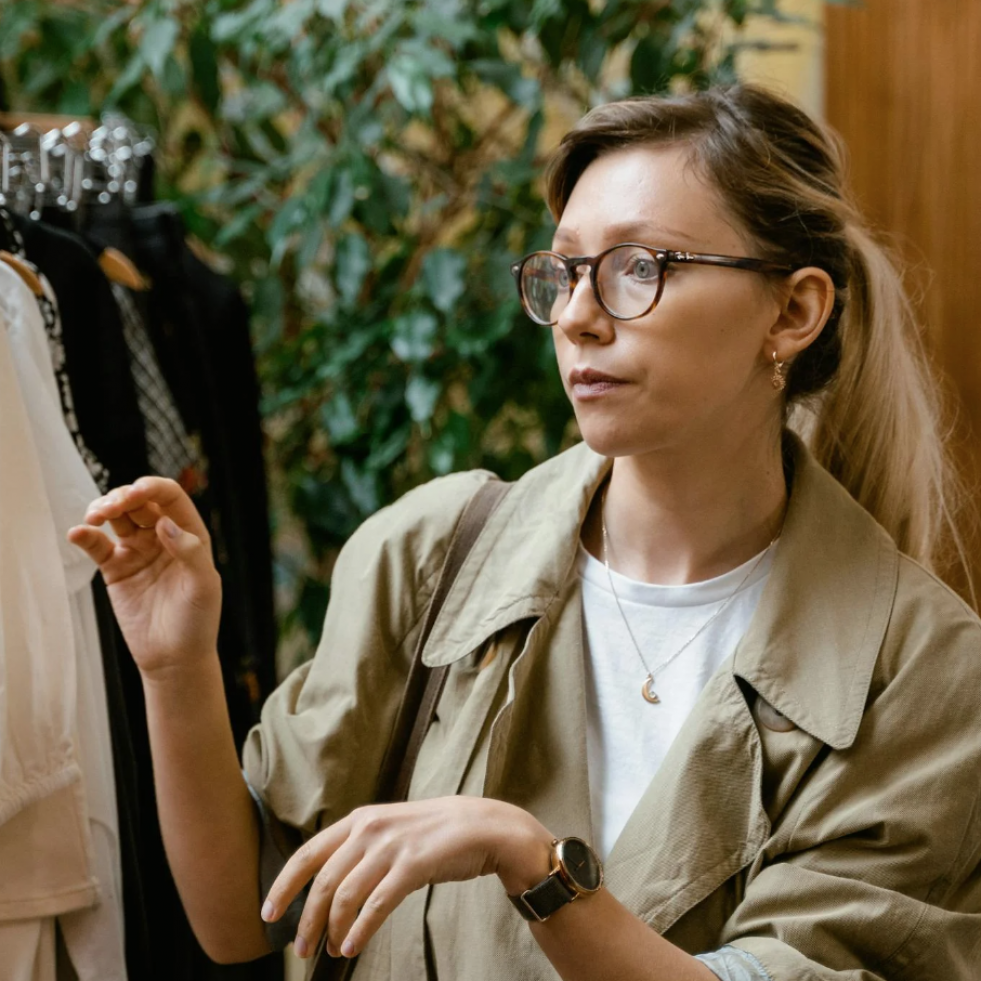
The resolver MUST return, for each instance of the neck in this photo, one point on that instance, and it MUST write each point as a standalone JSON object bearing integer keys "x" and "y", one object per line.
{"x": 684, "y": 516}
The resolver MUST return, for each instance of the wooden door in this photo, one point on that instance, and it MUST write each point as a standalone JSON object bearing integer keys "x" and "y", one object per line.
{"x": 904, "y": 89}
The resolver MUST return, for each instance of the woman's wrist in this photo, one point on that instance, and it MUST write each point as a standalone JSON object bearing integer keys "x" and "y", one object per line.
{"x": 185, "y": 670}
{"x": 524, "y": 851}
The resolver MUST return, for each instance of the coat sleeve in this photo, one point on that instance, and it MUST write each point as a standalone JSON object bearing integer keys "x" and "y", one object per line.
{"x": 878, "y": 875}
{"x": 317, "y": 751}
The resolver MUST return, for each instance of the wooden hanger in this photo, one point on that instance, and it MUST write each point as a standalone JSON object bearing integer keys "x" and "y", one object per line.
{"x": 24, "y": 271}
{"x": 120, "y": 269}
{"x": 9, "y": 121}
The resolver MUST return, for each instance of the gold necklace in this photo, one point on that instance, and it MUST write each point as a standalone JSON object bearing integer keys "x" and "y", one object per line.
{"x": 647, "y": 689}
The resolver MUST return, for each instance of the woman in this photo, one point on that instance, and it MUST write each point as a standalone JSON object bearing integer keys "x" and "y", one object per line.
{"x": 684, "y": 640}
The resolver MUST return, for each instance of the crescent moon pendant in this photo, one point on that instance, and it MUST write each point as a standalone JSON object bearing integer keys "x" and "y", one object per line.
{"x": 648, "y": 691}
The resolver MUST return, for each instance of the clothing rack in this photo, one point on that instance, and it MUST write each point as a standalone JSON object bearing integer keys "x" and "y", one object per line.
{"x": 68, "y": 162}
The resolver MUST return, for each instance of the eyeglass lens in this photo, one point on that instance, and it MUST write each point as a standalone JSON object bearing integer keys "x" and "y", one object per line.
{"x": 627, "y": 280}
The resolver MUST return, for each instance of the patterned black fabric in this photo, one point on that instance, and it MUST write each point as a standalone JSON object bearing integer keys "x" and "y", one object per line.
{"x": 169, "y": 448}
{"x": 13, "y": 242}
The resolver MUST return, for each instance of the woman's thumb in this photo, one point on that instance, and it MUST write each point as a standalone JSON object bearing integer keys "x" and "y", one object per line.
{"x": 182, "y": 545}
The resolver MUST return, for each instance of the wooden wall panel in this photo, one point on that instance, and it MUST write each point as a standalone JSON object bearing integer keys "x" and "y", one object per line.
{"x": 904, "y": 89}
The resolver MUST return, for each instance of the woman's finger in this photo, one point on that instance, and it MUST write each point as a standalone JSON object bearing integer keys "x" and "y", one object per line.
{"x": 146, "y": 516}
{"x": 124, "y": 526}
{"x": 168, "y": 498}
{"x": 302, "y": 866}
{"x": 349, "y": 896}
{"x": 382, "y": 902}
{"x": 94, "y": 543}
{"x": 341, "y": 880}
{"x": 145, "y": 501}
{"x": 107, "y": 507}
{"x": 183, "y": 545}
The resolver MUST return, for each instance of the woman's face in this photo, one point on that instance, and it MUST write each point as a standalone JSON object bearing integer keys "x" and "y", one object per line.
{"x": 692, "y": 371}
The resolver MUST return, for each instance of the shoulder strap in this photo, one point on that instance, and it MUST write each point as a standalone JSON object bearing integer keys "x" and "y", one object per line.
{"x": 422, "y": 688}
{"x": 425, "y": 685}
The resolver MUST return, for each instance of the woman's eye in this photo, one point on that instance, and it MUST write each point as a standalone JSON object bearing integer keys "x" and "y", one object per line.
{"x": 642, "y": 268}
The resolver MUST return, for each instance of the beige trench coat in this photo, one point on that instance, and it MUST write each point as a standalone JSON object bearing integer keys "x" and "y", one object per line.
{"x": 847, "y": 846}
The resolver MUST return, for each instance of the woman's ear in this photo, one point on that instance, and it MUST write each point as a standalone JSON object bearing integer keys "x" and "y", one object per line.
{"x": 807, "y": 299}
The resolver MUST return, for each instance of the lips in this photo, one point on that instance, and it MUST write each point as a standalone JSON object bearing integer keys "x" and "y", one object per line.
{"x": 589, "y": 383}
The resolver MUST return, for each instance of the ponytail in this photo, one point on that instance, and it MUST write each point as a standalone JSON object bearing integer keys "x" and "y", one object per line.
{"x": 878, "y": 426}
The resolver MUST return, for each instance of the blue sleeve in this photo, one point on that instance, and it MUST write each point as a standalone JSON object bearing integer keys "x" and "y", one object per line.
{"x": 733, "y": 964}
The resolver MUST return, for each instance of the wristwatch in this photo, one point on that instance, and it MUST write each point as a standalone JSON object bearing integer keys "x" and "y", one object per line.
{"x": 576, "y": 871}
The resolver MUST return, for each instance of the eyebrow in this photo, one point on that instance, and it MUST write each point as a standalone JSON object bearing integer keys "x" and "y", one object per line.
{"x": 629, "y": 231}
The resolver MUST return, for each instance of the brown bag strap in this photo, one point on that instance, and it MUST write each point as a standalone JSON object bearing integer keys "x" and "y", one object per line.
{"x": 424, "y": 685}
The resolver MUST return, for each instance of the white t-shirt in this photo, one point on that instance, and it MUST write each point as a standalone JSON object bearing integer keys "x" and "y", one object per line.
{"x": 627, "y": 737}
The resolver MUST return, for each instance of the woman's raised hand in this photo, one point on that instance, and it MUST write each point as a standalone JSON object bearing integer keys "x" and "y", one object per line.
{"x": 162, "y": 581}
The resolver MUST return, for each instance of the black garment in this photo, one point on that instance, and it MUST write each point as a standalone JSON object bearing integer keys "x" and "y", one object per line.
{"x": 116, "y": 661}
{"x": 97, "y": 359}
{"x": 200, "y": 327}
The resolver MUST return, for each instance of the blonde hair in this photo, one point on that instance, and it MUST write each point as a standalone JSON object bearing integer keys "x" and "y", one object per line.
{"x": 875, "y": 410}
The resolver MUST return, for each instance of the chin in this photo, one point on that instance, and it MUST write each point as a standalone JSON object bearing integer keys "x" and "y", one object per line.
{"x": 617, "y": 438}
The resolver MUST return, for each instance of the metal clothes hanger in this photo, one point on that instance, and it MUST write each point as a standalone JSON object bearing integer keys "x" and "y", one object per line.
{"x": 73, "y": 164}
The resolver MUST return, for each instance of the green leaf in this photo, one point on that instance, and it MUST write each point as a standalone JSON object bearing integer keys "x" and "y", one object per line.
{"x": 443, "y": 272}
{"x": 451, "y": 445}
{"x": 389, "y": 449}
{"x": 414, "y": 336}
{"x": 543, "y": 10}
{"x": 346, "y": 64}
{"x": 421, "y": 396}
{"x": 128, "y": 77}
{"x": 340, "y": 420}
{"x": 17, "y": 23}
{"x": 410, "y": 84}
{"x": 158, "y": 44}
{"x": 352, "y": 263}
{"x": 650, "y": 65}
{"x": 334, "y": 9}
{"x": 342, "y": 199}
{"x": 290, "y": 215}
{"x": 362, "y": 485}
{"x": 204, "y": 65}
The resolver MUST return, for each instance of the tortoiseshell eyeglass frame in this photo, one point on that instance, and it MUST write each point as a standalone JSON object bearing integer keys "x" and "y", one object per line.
{"x": 661, "y": 257}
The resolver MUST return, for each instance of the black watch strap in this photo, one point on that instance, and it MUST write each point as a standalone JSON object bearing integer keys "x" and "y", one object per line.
{"x": 541, "y": 901}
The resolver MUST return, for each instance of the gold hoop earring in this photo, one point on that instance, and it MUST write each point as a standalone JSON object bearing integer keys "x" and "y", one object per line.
{"x": 779, "y": 378}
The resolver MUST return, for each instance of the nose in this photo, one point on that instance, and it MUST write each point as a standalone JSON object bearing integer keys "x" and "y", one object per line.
{"x": 583, "y": 319}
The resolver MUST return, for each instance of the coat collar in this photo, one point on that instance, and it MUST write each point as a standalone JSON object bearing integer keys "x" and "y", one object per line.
{"x": 524, "y": 556}
{"x": 812, "y": 645}
{"x": 813, "y": 642}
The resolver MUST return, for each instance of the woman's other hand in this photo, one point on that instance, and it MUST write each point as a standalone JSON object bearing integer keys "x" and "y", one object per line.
{"x": 365, "y": 865}
{"x": 161, "y": 578}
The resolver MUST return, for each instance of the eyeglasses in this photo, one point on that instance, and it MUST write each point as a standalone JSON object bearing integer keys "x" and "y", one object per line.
{"x": 627, "y": 279}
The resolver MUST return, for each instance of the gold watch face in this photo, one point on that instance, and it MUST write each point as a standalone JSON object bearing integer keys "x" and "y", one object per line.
{"x": 579, "y": 864}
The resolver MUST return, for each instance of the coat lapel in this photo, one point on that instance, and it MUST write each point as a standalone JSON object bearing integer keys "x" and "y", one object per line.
{"x": 701, "y": 819}
{"x": 537, "y": 756}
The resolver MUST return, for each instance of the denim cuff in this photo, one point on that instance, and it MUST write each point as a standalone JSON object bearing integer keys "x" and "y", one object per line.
{"x": 732, "y": 964}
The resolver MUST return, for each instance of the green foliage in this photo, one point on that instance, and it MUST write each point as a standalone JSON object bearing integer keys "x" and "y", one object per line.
{"x": 369, "y": 169}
